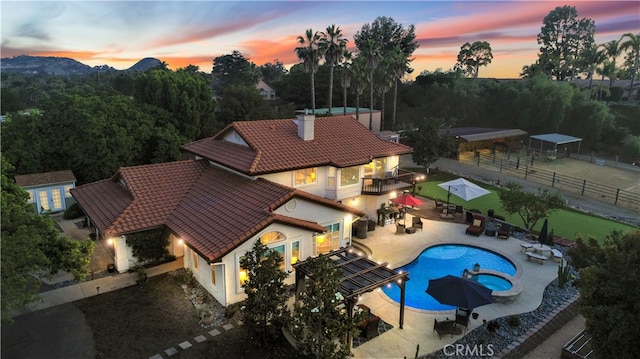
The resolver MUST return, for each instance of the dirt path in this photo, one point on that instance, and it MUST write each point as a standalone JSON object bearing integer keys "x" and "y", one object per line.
{"x": 552, "y": 347}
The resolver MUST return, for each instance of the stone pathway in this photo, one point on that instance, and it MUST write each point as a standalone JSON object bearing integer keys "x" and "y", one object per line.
{"x": 185, "y": 345}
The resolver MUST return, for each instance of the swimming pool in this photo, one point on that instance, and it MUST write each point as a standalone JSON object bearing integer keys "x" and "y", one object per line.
{"x": 438, "y": 261}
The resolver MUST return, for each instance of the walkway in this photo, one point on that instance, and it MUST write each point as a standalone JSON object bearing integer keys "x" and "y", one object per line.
{"x": 398, "y": 250}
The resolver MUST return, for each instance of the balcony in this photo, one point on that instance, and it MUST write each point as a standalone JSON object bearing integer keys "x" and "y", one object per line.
{"x": 380, "y": 186}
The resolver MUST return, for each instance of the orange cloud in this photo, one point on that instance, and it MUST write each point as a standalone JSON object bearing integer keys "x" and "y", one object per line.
{"x": 263, "y": 51}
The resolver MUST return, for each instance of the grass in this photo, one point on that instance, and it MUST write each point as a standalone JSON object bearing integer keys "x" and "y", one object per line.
{"x": 565, "y": 222}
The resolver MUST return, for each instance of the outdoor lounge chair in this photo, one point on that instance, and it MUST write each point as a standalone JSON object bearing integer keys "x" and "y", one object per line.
{"x": 477, "y": 227}
{"x": 416, "y": 222}
{"x": 400, "y": 228}
{"x": 439, "y": 204}
{"x": 462, "y": 317}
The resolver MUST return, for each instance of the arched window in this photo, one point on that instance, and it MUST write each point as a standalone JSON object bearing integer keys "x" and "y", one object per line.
{"x": 271, "y": 237}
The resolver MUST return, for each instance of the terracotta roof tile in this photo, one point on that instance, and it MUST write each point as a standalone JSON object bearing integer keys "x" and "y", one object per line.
{"x": 36, "y": 179}
{"x": 274, "y": 145}
{"x": 212, "y": 209}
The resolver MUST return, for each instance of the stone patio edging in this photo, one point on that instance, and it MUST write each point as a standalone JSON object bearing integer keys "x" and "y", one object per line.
{"x": 541, "y": 331}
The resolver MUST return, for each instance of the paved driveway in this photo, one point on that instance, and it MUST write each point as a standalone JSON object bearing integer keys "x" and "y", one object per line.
{"x": 52, "y": 333}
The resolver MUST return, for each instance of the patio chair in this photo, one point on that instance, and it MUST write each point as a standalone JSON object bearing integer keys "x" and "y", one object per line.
{"x": 444, "y": 327}
{"x": 400, "y": 228}
{"x": 369, "y": 327}
{"x": 416, "y": 222}
{"x": 439, "y": 204}
{"x": 505, "y": 231}
{"x": 462, "y": 317}
{"x": 477, "y": 227}
{"x": 459, "y": 210}
{"x": 469, "y": 217}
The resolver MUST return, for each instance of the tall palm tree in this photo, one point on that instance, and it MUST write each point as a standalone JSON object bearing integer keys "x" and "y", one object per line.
{"x": 333, "y": 46}
{"x": 633, "y": 45}
{"x": 606, "y": 70}
{"x": 613, "y": 50}
{"x": 345, "y": 78}
{"x": 591, "y": 57}
{"x": 400, "y": 66}
{"x": 372, "y": 52}
{"x": 359, "y": 76}
{"x": 385, "y": 77}
{"x": 309, "y": 53}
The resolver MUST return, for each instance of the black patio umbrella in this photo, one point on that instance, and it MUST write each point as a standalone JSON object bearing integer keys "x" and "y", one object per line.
{"x": 460, "y": 292}
{"x": 543, "y": 238}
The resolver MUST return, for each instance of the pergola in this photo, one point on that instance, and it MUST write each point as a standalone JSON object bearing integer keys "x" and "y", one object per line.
{"x": 360, "y": 275}
{"x": 555, "y": 139}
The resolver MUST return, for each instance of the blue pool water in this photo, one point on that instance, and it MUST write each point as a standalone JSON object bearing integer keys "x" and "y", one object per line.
{"x": 438, "y": 261}
{"x": 493, "y": 281}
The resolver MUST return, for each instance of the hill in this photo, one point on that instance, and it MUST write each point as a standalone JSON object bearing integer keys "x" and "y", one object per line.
{"x": 63, "y": 65}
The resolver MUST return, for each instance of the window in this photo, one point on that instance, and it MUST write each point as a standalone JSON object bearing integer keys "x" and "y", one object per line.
{"x": 56, "y": 198}
{"x": 243, "y": 273}
{"x": 349, "y": 176}
{"x": 195, "y": 260}
{"x": 376, "y": 168}
{"x": 329, "y": 240}
{"x": 271, "y": 237}
{"x": 331, "y": 177}
{"x": 305, "y": 176}
{"x": 32, "y": 196}
{"x": 67, "y": 191}
{"x": 213, "y": 274}
{"x": 280, "y": 250}
{"x": 295, "y": 252}
{"x": 44, "y": 200}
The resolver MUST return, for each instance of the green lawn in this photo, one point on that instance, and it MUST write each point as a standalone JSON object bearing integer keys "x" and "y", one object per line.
{"x": 565, "y": 223}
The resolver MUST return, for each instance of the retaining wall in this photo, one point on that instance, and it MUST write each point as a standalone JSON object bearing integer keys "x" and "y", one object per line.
{"x": 541, "y": 331}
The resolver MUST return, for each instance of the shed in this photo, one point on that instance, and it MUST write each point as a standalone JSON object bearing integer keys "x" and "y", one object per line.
{"x": 48, "y": 191}
{"x": 476, "y": 138}
{"x": 550, "y": 142}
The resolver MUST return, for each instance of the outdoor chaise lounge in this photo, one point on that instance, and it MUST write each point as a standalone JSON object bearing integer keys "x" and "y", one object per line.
{"x": 556, "y": 254}
{"x": 477, "y": 227}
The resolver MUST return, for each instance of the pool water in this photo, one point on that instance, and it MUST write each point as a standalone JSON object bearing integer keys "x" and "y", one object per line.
{"x": 438, "y": 261}
{"x": 493, "y": 281}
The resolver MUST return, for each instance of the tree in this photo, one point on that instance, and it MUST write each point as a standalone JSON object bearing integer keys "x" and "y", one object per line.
{"x": 613, "y": 50}
{"x": 358, "y": 81}
{"x": 428, "y": 145}
{"x": 31, "y": 245}
{"x": 632, "y": 44}
{"x": 529, "y": 206}
{"x": 563, "y": 37}
{"x": 244, "y": 104}
{"x": 609, "y": 286}
{"x": 472, "y": 56}
{"x": 309, "y": 53}
{"x": 273, "y": 72}
{"x": 150, "y": 245}
{"x": 233, "y": 70}
{"x": 318, "y": 325}
{"x": 265, "y": 309}
{"x": 345, "y": 78}
{"x": 333, "y": 47}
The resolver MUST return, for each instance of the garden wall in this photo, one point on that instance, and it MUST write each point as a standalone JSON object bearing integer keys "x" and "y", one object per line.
{"x": 541, "y": 331}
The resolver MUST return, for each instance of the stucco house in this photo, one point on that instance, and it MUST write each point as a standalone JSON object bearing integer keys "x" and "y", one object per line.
{"x": 48, "y": 191}
{"x": 266, "y": 91}
{"x": 297, "y": 185}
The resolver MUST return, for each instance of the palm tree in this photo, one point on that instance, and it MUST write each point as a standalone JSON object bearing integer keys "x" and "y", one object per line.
{"x": 400, "y": 66}
{"x": 358, "y": 80}
{"x": 372, "y": 52}
{"x": 384, "y": 80}
{"x": 633, "y": 45}
{"x": 345, "y": 79}
{"x": 591, "y": 58}
{"x": 607, "y": 70}
{"x": 333, "y": 46}
{"x": 310, "y": 54}
{"x": 613, "y": 50}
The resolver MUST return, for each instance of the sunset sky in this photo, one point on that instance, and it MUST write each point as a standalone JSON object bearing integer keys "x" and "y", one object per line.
{"x": 119, "y": 33}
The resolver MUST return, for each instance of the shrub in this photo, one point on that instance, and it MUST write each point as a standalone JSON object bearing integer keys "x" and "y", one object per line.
{"x": 514, "y": 321}
{"x": 150, "y": 245}
{"x": 73, "y": 212}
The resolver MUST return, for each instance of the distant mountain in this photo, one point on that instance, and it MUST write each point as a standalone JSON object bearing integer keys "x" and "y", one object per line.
{"x": 145, "y": 64}
{"x": 63, "y": 66}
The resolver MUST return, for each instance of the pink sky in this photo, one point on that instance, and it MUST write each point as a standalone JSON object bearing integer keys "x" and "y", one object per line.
{"x": 119, "y": 33}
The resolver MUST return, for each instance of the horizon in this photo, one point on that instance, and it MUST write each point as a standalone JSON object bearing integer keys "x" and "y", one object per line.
{"x": 194, "y": 33}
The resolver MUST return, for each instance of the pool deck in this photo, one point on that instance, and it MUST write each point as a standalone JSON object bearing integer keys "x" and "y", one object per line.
{"x": 398, "y": 250}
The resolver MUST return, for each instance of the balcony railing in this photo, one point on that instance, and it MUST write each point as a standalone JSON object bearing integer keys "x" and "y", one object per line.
{"x": 379, "y": 186}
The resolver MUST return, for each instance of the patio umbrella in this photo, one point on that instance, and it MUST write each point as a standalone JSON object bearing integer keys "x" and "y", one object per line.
{"x": 460, "y": 292}
{"x": 543, "y": 238}
{"x": 463, "y": 189}
{"x": 407, "y": 200}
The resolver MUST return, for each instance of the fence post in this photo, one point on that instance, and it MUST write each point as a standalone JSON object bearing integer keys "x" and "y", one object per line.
{"x": 526, "y": 171}
{"x": 617, "y": 194}
{"x": 553, "y": 180}
{"x": 501, "y": 166}
{"x": 584, "y": 184}
{"x": 478, "y": 160}
{"x": 616, "y": 160}
{"x": 533, "y": 155}
{"x": 518, "y": 163}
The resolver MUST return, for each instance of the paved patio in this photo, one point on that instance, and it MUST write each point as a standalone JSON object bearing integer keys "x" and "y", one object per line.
{"x": 398, "y": 250}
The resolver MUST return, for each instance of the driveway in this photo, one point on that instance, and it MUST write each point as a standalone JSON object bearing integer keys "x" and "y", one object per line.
{"x": 56, "y": 332}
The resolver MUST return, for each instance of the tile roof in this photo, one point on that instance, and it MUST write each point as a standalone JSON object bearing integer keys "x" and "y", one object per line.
{"x": 36, "y": 179}
{"x": 274, "y": 146}
{"x": 210, "y": 208}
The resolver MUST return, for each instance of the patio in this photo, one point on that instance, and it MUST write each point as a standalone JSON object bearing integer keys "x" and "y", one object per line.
{"x": 386, "y": 246}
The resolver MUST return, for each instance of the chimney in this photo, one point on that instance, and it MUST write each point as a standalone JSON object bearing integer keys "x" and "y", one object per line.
{"x": 305, "y": 126}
